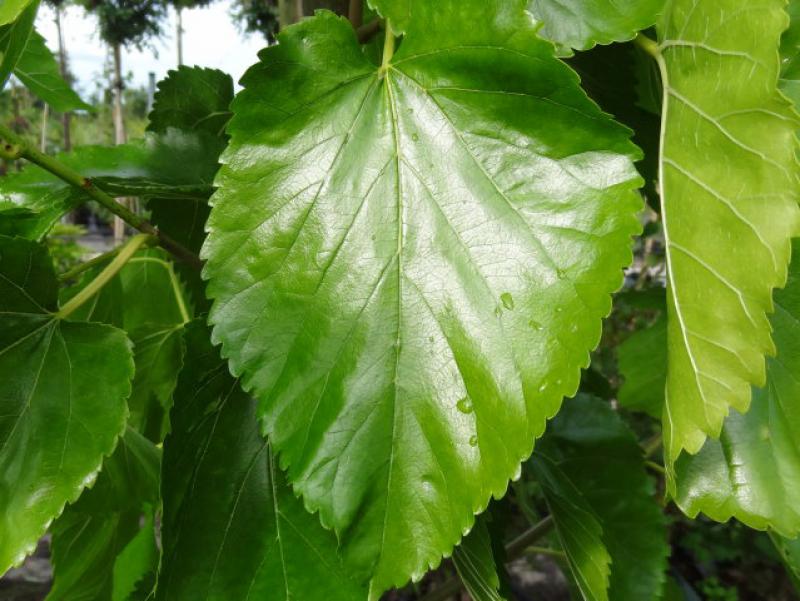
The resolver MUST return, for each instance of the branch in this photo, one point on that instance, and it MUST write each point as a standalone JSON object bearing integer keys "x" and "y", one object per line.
{"x": 366, "y": 32}
{"x": 13, "y": 147}
{"x": 356, "y": 13}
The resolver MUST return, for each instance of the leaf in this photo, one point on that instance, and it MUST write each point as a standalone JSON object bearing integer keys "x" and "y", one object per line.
{"x": 599, "y": 454}
{"x": 729, "y": 192}
{"x": 192, "y": 99}
{"x": 580, "y": 24}
{"x": 95, "y": 534}
{"x": 578, "y": 529}
{"x": 474, "y": 560}
{"x": 232, "y": 528}
{"x": 14, "y": 35}
{"x": 136, "y": 562}
{"x": 752, "y": 472}
{"x": 409, "y": 265}
{"x": 642, "y": 362}
{"x": 62, "y": 399}
{"x": 790, "y": 55}
{"x": 789, "y": 551}
{"x": 38, "y": 70}
{"x": 11, "y": 10}
{"x": 399, "y": 12}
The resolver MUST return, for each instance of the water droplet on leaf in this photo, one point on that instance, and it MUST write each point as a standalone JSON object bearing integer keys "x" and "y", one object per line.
{"x": 508, "y": 301}
{"x": 464, "y": 405}
{"x": 415, "y": 137}
{"x": 473, "y": 441}
{"x": 535, "y": 325}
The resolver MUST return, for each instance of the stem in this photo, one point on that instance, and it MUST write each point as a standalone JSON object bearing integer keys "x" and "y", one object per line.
{"x": 365, "y": 32}
{"x": 533, "y": 550}
{"x": 13, "y": 147}
{"x": 652, "y": 445}
{"x": 79, "y": 269}
{"x": 356, "y": 13}
{"x": 648, "y": 45}
{"x": 515, "y": 549}
{"x": 388, "y": 47}
{"x": 125, "y": 253}
{"x": 652, "y": 465}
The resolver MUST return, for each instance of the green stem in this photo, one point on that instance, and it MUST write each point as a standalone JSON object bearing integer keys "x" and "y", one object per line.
{"x": 652, "y": 445}
{"x": 515, "y": 549}
{"x": 388, "y": 47}
{"x": 13, "y": 147}
{"x": 123, "y": 256}
{"x": 652, "y": 465}
{"x": 79, "y": 269}
{"x": 648, "y": 45}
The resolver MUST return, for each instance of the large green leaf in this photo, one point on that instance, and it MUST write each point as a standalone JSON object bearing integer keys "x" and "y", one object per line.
{"x": 102, "y": 529}
{"x": 14, "y": 36}
{"x": 580, "y": 24}
{"x": 729, "y": 193}
{"x": 578, "y": 528}
{"x": 192, "y": 99}
{"x": 594, "y": 448}
{"x": 790, "y": 55}
{"x": 409, "y": 265}
{"x": 38, "y": 70}
{"x": 232, "y": 528}
{"x": 63, "y": 387}
{"x": 752, "y": 472}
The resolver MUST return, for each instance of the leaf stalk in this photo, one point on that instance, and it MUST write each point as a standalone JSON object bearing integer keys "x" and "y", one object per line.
{"x": 123, "y": 256}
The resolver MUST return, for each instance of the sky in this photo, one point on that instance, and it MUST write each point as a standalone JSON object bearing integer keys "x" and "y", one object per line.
{"x": 210, "y": 40}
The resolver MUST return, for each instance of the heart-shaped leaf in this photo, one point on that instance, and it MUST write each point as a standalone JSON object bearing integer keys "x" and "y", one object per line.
{"x": 409, "y": 264}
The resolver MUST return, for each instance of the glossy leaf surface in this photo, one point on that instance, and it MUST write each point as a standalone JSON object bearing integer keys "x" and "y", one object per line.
{"x": 642, "y": 361}
{"x": 729, "y": 193}
{"x": 10, "y": 10}
{"x": 599, "y": 454}
{"x": 223, "y": 493}
{"x": 63, "y": 406}
{"x": 38, "y": 70}
{"x": 409, "y": 265}
{"x": 580, "y": 24}
{"x": 752, "y": 472}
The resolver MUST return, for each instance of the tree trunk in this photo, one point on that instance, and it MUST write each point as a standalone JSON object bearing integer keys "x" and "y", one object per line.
{"x": 179, "y": 35}
{"x": 287, "y": 12}
{"x": 119, "y": 130}
{"x": 66, "y": 118}
{"x": 43, "y": 139}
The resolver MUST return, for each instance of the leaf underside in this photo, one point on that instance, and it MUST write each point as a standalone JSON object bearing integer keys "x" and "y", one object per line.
{"x": 409, "y": 265}
{"x": 729, "y": 206}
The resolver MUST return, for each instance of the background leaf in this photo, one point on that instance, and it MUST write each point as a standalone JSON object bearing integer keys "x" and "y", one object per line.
{"x": 475, "y": 562}
{"x": 409, "y": 266}
{"x": 729, "y": 206}
{"x": 580, "y": 24}
{"x": 232, "y": 528}
{"x": 15, "y": 29}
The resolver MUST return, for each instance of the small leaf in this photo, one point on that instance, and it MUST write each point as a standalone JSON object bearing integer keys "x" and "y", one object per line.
{"x": 192, "y": 99}
{"x": 136, "y": 562}
{"x": 38, "y": 70}
{"x": 232, "y": 528}
{"x": 752, "y": 472}
{"x": 62, "y": 398}
{"x": 474, "y": 560}
{"x": 599, "y": 454}
{"x": 409, "y": 265}
{"x": 729, "y": 193}
{"x": 16, "y": 25}
{"x": 578, "y": 529}
{"x": 580, "y": 24}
